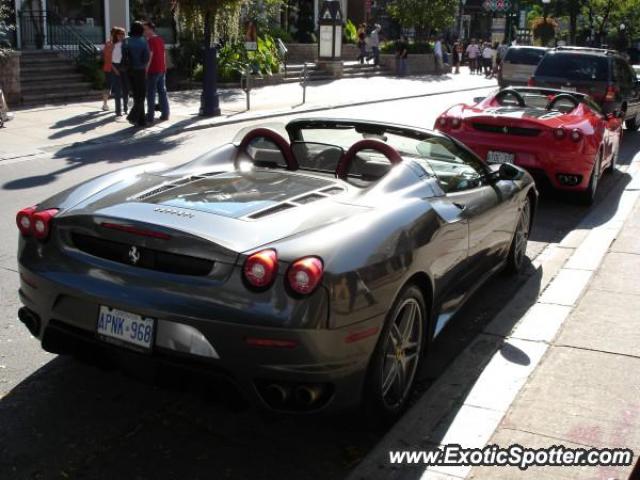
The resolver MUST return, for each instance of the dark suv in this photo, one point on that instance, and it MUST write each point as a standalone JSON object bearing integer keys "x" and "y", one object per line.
{"x": 605, "y": 75}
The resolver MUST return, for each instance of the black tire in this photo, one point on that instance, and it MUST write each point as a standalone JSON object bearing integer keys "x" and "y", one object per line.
{"x": 632, "y": 123}
{"x": 518, "y": 248}
{"x": 589, "y": 195}
{"x": 395, "y": 360}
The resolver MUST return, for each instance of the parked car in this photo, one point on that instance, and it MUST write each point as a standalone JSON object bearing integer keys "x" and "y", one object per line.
{"x": 313, "y": 267}
{"x": 562, "y": 138}
{"x": 604, "y": 75}
{"x": 518, "y": 65}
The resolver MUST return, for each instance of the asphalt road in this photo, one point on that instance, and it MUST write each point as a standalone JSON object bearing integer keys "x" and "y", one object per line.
{"x": 62, "y": 419}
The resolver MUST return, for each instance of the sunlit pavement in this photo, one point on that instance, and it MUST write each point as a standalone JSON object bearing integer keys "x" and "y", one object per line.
{"x": 61, "y": 418}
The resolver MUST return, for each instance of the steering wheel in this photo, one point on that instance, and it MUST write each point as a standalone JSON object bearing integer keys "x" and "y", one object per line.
{"x": 342, "y": 170}
{"x": 563, "y": 96}
{"x": 510, "y": 92}
{"x": 273, "y": 137}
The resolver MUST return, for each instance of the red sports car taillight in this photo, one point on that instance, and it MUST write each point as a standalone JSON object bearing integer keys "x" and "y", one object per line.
{"x": 35, "y": 223}
{"x": 442, "y": 122}
{"x": 575, "y": 135}
{"x": 23, "y": 220}
{"x": 559, "y": 133}
{"x": 531, "y": 82}
{"x": 456, "y": 122}
{"x": 612, "y": 91}
{"x": 260, "y": 269}
{"x": 305, "y": 274}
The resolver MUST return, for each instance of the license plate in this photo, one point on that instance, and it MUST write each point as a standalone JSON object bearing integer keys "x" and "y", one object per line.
{"x": 125, "y": 327}
{"x": 568, "y": 89}
{"x": 499, "y": 157}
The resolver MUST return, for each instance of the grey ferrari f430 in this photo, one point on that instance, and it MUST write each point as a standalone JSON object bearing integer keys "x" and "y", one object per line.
{"x": 312, "y": 263}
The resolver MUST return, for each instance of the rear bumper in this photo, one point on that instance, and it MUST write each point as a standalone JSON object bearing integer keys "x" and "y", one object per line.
{"x": 538, "y": 158}
{"x": 67, "y": 303}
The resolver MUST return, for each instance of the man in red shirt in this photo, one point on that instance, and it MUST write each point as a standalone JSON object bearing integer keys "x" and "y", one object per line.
{"x": 156, "y": 74}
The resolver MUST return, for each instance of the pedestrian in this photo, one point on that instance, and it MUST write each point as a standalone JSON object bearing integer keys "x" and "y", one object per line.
{"x": 401, "y": 56}
{"x": 473, "y": 51}
{"x": 156, "y": 74}
{"x": 362, "y": 42}
{"x": 136, "y": 57}
{"x": 437, "y": 55}
{"x": 107, "y": 54}
{"x": 119, "y": 82}
{"x": 374, "y": 42}
{"x": 457, "y": 56}
{"x": 487, "y": 59}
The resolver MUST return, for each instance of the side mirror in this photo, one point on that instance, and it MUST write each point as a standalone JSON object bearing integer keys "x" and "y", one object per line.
{"x": 508, "y": 172}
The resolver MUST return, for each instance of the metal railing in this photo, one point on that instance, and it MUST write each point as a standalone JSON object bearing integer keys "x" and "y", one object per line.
{"x": 46, "y": 29}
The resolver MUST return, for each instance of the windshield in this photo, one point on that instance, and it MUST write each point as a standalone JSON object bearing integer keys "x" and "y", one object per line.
{"x": 572, "y": 66}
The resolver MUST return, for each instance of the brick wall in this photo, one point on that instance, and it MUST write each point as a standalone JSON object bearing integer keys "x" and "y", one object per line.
{"x": 10, "y": 78}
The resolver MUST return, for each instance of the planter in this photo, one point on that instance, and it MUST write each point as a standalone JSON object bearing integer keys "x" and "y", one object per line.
{"x": 10, "y": 77}
{"x": 417, "y": 64}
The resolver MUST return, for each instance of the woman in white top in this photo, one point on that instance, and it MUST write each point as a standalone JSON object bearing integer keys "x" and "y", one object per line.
{"x": 119, "y": 81}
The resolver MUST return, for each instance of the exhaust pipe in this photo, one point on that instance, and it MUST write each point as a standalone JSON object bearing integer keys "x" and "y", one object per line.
{"x": 307, "y": 396}
{"x": 30, "y": 319}
{"x": 276, "y": 394}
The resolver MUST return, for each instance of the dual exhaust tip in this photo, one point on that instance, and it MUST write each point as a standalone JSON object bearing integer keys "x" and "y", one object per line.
{"x": 294, "y": 397}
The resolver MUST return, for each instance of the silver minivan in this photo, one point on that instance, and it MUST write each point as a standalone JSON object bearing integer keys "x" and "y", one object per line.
{"x": 518, "y": 65}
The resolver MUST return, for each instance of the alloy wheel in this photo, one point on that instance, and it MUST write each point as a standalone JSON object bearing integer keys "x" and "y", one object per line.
{"x": 522, "y": 235}
{"x": 401, "y": 353}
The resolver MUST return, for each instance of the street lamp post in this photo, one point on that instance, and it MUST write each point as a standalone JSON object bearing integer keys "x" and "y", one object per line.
{"x": 460, "y": 32}
{"x": 545, "y": 9}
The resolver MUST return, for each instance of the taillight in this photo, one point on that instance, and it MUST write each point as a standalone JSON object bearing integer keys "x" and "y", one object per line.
{"x": 442, "y": 122}
{"x": 305, "y": 274}
{"x": 35, "y": 223}
{"x": 261, "y": 268}
{"x": 611, "y": 93}
{"x": 559, "y": 133}
{"x": 456, "y": 122}
{"x": 41, "y": 223}
{"x": 23, "y": 219}
{"x": 575, "y": 135}
{"x": 531, "y": 82}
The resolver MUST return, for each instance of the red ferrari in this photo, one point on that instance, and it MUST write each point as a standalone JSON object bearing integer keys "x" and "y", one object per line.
{"x": 560, "y": 137}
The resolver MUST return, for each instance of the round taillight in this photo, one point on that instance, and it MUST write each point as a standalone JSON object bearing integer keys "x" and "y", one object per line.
{"x": 305, "y": 274}
{"x": 442, "y": 122}
{"x": 41, "y": 223}
{"x": 261, "y": 268}
{"x": 559, "y": 133}
{"x": 23, "y": 220}
{"x": 456, "y": 122}
{"x": 575, "y": 135}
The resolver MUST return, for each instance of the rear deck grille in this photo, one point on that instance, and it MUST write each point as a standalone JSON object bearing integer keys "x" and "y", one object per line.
{"x": 148, "y": 258}
{"x": 507, "y": 130}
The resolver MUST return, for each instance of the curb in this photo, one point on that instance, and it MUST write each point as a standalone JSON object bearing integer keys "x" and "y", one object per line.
{"x": 466, "y": 405}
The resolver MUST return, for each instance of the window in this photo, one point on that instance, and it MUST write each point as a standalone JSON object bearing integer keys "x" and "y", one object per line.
{"x": 455, "y": 168}
{"x": 160, "y": 12}
{"x": 524, "y": 56}
{"x": 578, "y": 67}
{"x": 85, "y": 17}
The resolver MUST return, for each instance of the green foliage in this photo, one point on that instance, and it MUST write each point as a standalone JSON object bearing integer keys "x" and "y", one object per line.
{"x": 412, "y": 48}
{"x": 544, "y": 30}
{"x": 281, "y": 33}
{"x": 426, "y": 16}
{"x": 91, "y": 70}
{"x": 350, "y": 32}
{"x": 5, "y": 45}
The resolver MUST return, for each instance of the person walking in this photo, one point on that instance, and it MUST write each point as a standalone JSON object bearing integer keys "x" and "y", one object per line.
{"x": 119, "y": 82}
{"x": 473, "y": 51}
{"x": 401, "y": 56}
{"x": 362, "y": 42}
{"x": 457, "y": 57}
{"x": 156, "y": 74}
{"x": 437, "y": 55}
{"x": 107, "y": 54}
{"x": 487, "y": 59}
{"x": 374, "y": 42}
{"x": 136, "y": 56}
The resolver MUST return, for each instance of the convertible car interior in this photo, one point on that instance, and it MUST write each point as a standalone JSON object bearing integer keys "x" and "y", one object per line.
{"x": 358, "y": 152}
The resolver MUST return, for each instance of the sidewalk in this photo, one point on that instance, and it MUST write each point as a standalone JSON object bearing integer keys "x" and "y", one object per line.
{"x": 560, "y": 364}
{"x": 33, "y": 129}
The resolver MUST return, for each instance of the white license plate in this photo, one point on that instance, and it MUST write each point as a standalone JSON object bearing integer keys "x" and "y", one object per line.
{"x": 569, "y": 89}
{"x": 499, "y": 157}
{"x": 125, "y": 327}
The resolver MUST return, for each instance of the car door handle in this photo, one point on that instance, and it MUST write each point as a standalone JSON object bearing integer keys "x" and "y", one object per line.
{"x": 461, "y": 206}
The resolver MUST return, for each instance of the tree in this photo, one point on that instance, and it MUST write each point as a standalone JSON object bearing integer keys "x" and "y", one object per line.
{"x": 426, "y": 16}
{"x": 5, "y": 28}
{"x": 204, "y": 12}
